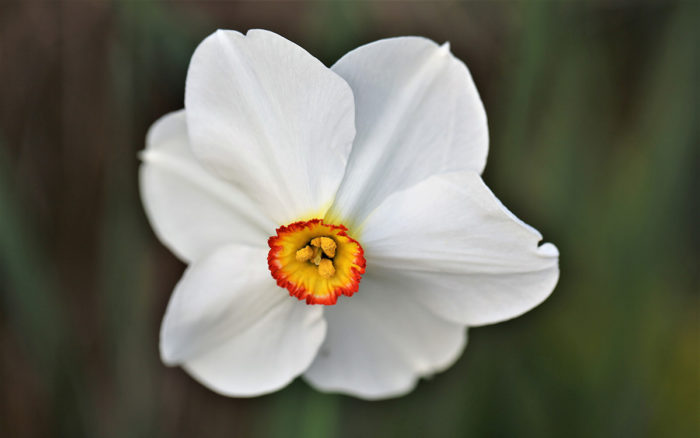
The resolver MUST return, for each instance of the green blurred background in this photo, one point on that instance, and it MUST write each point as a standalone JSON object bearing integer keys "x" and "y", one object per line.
{"x": 593, "y": 114}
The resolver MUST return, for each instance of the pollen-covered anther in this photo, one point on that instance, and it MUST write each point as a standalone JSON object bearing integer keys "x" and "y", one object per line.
{"x": 326, "y": 268}
{"x": 327, "y": 244}
{"x": 304, "y": 254}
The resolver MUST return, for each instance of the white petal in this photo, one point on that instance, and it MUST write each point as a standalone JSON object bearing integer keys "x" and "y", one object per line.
{"x": 234, "y": 329}
{"x": 418, "y": 114}
{"x": 266, "y": 114}
{"x": 191, "y": 210}
{"x": 451, "y": 243}
{"x": 380, "y": 341}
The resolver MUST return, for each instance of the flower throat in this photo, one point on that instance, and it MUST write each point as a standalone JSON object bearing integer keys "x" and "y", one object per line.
{"x": 315, "y": 261}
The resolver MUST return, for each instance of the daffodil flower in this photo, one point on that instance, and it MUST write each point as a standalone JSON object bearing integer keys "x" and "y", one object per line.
{"x": 334, "y": 221}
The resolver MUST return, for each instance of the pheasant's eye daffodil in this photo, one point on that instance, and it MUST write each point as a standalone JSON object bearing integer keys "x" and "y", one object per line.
{"x": 334, "y": 220}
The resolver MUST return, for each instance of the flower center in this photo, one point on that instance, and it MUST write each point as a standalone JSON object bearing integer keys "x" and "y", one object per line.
{"x": 316, "y": 262}
{"x": 320, "y": 252}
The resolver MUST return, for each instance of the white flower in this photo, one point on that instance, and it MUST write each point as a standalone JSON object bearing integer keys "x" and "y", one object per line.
{"x": 365, "y": 178}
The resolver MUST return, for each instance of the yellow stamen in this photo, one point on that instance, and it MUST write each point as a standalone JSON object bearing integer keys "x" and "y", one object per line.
{"x": 314, "y": 254}
{"x": 304, "y": 254}
{"x": 327, "y": 244}
{"x": 326, "y": 268}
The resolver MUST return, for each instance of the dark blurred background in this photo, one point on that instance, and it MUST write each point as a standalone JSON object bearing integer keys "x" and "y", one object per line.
{"x": 593, "y": 113}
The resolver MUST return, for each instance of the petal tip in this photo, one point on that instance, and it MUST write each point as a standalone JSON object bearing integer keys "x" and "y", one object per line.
{"x": 548, "y": 250}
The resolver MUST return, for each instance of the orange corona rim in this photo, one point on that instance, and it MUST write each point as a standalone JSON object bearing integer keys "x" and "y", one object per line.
{"x": 316, "y": 262}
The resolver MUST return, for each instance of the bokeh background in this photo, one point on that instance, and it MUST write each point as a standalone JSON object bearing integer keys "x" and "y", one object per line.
{"x": 593, "y": 114}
